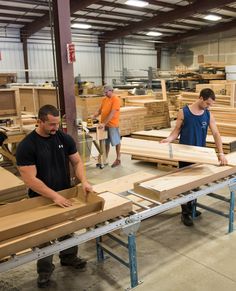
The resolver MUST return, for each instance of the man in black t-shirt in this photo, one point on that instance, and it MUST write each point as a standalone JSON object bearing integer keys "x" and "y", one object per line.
{"x": 43, "y": 159}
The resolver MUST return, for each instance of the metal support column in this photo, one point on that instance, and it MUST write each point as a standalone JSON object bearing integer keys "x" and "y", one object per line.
{"x": 100, "y": 252}
{"x": 132, "y": 260}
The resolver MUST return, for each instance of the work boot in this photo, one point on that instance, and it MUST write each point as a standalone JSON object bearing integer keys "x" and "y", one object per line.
{"x": 186, "y": 219}
{"x": 197, "y": 213}
{"x": 44, "y": 278}
{"x": 76, "y": 262}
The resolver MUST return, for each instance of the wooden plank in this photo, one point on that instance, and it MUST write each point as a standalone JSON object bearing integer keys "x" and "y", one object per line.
{"x": 180, "y": 181}
{"x": 122, "y": 184}
{"x": 114, "y": 206}
{"x": 9, "y": 182}
{"x": 163, "y": 89}
{"x": 179, "y": 152}
{"x": 229, "y": 142}
{"x": 24, "y": 216}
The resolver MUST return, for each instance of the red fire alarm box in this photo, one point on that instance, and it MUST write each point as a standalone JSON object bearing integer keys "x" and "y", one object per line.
{"x": 70, "y": 53}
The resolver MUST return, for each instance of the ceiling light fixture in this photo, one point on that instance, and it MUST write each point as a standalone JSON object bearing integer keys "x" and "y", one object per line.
{"x": 137, "y": 3}
{"x": 154, "y": 33}
{"x": 212, "y": 17}
{"x": 81, "y": 25}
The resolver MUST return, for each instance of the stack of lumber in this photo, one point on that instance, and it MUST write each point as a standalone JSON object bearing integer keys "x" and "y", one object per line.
{"x": 131, "y": 119}
{"x": 173, "y": 102}
{"x": 162, "y": 188}
{"x": 126, "y": 98}
{"x": 11, "y": 187}
{"x": 225, "y": 119}
{"x": 229, "y": 142}
{"x": 224, "y": 88}
{"x": 157, "y": 113}
{"x": 31, "y": 222}
{"x": 190, "y": 97}
{"x": 174, "y": 152}
{"x": 87, "y": 106}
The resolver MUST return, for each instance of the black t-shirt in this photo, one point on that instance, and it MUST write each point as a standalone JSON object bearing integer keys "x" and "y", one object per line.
{"x": 50, "y": 155}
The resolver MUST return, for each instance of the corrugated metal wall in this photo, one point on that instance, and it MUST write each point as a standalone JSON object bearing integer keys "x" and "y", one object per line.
{"x": 88, "y": 60}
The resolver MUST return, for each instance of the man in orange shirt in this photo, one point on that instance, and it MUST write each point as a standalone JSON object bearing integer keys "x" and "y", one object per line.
{"x": 110, "y": 113}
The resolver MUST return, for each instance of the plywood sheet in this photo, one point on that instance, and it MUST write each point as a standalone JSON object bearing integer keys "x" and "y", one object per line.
{"x": 9, "y": 182}
{"x": 180, "y": 181}
{"x": 24, "y": 216}
{"x": 114, "y": 206}
{"x": 175, "y": 152}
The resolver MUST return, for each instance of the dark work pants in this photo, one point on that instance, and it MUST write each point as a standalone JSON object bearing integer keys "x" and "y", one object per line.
{"x": 188, "y": 207}
{"x": 45, "y": 265}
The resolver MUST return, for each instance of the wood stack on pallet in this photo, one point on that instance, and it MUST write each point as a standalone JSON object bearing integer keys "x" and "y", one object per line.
{"x": 169, "y": 151}
{"x": 225, "y": 119}
{"x": 229, "y": 143}
{"x": 223, "y": 88}
{"x": 131, "y": 118}
{"x": 11, "y": 187}
{"x": 87, "y": 106}
{"x": 191, "y": 97}
{"x": 126, "y": 98}
{"x": 157, "y": 113}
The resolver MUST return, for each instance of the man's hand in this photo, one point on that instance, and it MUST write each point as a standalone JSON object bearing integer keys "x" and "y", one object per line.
{"x": 101, "y": 126}
{"x": 62, "y": 201}
{"x": 86, "y": 188}
{"x": 222, "y": 159}
{"x": 165, "y": 140}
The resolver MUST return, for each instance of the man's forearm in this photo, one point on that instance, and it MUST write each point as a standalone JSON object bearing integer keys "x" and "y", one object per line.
{"x": 39, "y": 187}
{"x": 218, "y": 143}
{"x": 79, "y": 172}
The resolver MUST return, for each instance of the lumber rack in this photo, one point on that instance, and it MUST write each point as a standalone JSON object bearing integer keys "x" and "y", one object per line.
{"x": 130, "y": 225}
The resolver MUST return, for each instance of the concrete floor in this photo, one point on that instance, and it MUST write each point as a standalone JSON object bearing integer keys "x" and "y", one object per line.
{"x": 171, "y": 256}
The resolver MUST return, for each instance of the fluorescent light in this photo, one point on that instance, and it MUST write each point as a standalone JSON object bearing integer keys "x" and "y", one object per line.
{"x": 137, "y": 3}
{"x": 81, "y": 25}
{"x": 154, "y": 33}
{"x": 212, "y": 17}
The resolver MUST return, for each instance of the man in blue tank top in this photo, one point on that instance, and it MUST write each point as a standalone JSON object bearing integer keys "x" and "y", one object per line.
{"x": 191, "y": 125}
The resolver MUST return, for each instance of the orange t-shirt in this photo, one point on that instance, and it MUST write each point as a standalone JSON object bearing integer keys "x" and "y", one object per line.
{"x": 109, "y": 104}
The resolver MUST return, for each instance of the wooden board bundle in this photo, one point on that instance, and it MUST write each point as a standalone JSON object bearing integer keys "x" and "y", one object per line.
{"x": 225, "y": 119}
{"x": 114, "y": 206}
{"x": 175, "y": 152}
{"x": 11, "y": 187}
{"x": 126, "y": 99}
{"x": 131, "y": 119}
{"x": 191, "y": 97}
{"x": 224, "y": 88}
{"x": 21, "y": 217}
{"x": 229, "y": 142}
{"x": 87, "y": 106}
{"x": 167, "y": 186}
{"x": 157, "y": 113}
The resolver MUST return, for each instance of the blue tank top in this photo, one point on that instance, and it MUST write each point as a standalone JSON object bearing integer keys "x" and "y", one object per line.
{"x": 194, "y": 128}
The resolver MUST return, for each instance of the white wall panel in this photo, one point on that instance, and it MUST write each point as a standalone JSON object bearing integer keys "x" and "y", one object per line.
{"x": 88, "y": 60}
{"x": 88, "y": 63}
{"x": 12, "y": 59}
{"x": 40, "y": 60}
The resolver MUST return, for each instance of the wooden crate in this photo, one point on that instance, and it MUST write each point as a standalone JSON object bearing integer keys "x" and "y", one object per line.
{"x": 32, "y": 98}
